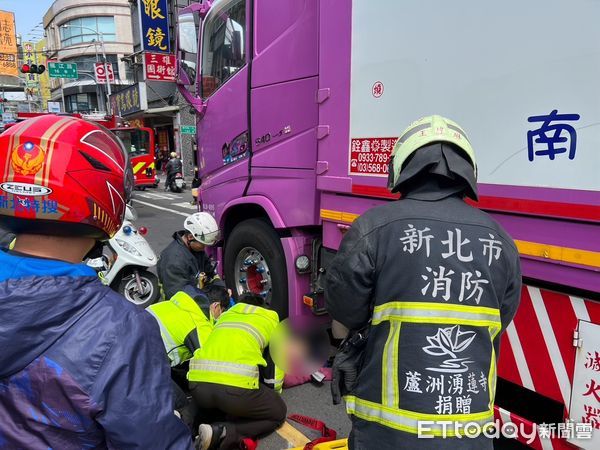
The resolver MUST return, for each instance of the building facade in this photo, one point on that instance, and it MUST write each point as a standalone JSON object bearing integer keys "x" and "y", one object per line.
{"x": 75, "y": 31}
{"x": 166, "y": 112}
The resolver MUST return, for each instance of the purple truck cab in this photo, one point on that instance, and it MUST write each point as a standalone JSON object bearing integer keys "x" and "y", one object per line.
{"x": 293, "y": 140}
{"x": 299, "y": 103}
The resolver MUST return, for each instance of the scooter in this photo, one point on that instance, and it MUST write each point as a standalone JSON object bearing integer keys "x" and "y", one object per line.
{"x": 125, "y": 262}
{"x": 177, "y": 183}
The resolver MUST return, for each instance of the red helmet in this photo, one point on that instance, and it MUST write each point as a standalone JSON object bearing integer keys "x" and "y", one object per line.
{"x": 63, "y": 176}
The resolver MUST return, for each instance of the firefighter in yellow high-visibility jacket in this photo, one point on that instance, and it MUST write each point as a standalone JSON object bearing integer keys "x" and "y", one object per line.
{"x": 185, "y": 323}
{"x": 187, "y": 319}
{"x": 232, "y": 372}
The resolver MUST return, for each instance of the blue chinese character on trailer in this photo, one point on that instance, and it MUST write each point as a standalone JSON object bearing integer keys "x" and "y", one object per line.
{"x": 548, "y": 139}
{"x": 154, "y": 25}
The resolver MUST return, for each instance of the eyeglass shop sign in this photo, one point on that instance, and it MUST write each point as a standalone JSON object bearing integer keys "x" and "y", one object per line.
{"x": 154, "y": 25}
{"x": 130, "y": 100}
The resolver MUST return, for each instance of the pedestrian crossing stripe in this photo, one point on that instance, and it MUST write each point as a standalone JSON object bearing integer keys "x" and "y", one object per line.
{"x": 156, "y": 196}
{"x": 186, "y": 205}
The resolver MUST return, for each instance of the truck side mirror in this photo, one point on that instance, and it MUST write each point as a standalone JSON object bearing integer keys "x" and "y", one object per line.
{"x": 189, "y": 32}
{"x": 187, "y": 49}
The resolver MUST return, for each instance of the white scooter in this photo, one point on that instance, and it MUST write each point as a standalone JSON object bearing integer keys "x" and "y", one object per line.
{"x": 125, "y": 262}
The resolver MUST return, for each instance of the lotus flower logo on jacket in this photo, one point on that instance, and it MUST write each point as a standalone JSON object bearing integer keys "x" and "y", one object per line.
{"x": 450, "y": 342}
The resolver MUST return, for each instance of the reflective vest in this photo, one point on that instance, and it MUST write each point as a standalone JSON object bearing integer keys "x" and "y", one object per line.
{"x": 183, "y": 326}
{"x": 234, "y": 350}
{"x": 411, "y": 394}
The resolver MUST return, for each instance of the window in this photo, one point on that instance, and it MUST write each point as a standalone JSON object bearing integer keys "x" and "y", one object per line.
{"x": 85, "y": 65}
{"x": 137, "y": 142}
{"x": 223, "y": 45}
{"x": 86, "y": 29}
{"x": 81, "y": 103}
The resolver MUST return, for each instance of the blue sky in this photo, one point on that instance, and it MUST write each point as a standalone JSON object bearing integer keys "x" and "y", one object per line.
{"x": 28, "y": 14}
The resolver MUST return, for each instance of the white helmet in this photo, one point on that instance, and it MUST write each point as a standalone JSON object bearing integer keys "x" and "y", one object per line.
{"x": 203, "y": 227}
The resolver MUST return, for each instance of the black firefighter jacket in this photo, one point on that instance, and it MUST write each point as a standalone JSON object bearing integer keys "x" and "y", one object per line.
{"x": 179, "y": 267}
{"x": 439, "y": 280}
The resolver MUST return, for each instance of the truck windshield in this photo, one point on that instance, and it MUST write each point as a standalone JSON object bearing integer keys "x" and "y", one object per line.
{"x": 136, "y": 141}
{"x": 223, "y": 52}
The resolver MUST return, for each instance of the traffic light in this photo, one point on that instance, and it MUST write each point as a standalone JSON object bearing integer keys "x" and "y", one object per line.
{"x": 33, "y": 68}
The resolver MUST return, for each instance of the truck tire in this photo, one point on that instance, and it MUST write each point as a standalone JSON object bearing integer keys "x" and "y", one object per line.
{"x": 254, "y": 261}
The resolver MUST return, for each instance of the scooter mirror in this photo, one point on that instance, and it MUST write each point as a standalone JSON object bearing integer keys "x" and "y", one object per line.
{"x": 131, "y": 214}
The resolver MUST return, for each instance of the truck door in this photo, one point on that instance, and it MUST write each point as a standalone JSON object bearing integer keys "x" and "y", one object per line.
{"x": 221, "y": 94}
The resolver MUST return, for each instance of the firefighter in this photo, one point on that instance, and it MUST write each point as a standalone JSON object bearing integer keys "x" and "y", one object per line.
{"x": 80, "y": 366}
{"x": 185, "y": 322}
{"x": 233, "y": 373}
{"x": 184, "y": 262}
{"x": 426, "y": 285}
{"x": 187, "y": 319}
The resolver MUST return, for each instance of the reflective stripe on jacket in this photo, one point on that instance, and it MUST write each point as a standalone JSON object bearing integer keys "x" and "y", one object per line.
{"x": 183, "y": 326}
{"x": 396, "y": 315}
{"x": 234, "y": 350}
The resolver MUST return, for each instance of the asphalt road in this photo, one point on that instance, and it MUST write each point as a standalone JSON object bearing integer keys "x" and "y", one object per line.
{"x": 163, "y": 213}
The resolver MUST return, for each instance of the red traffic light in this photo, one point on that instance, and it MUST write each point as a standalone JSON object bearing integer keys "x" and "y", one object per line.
{"x": 33, "y": 68}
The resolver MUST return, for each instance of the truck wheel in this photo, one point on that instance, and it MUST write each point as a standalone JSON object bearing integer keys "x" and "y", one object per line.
{"x": 149, "y": 293}
{"x": 255, "y": 262}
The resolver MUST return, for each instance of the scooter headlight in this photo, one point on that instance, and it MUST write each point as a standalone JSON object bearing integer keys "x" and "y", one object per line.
{"x": 128, "y": 247}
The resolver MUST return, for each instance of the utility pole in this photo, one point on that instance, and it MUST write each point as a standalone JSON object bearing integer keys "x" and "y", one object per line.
{"x": 108, "y": 88}
{"x": 62, "y": 94}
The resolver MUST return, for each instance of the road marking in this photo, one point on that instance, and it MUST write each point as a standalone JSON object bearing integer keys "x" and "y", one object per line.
{"x": 156, "y": 196}
{"x": 293, "y": 437}
{"x": 160, "y": 207}
{"x": 186, "y": 205}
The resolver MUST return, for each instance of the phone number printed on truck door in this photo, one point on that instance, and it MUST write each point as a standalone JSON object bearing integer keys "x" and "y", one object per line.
{"x": 370, "y": 156}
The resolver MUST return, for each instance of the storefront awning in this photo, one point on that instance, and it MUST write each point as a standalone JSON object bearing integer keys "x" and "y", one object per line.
{"x": 165, "y": 109}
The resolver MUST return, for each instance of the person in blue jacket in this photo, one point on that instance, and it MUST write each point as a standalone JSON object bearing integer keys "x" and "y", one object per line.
{"x": 80, "y": 367}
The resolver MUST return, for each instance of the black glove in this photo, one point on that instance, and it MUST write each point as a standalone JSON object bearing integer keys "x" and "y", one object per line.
{"x": 346, "y": 365}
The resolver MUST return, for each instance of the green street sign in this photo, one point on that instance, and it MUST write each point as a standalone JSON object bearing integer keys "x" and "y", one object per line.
{"x": 62, "y": 70}
{"x": 188, "y": 129}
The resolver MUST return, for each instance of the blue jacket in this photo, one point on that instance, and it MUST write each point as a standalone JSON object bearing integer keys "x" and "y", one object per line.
{"x": 80, "y": 367}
